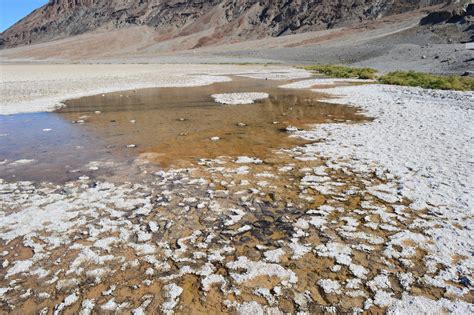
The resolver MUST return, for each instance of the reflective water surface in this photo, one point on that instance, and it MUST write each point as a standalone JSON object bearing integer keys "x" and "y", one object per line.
{"x": 167, "y": 126}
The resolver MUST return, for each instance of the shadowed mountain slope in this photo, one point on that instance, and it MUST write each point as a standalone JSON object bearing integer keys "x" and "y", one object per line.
{"x": 216, "y": 19}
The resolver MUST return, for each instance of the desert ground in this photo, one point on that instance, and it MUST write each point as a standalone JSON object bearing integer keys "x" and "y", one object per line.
{"x": 370, "y": 212}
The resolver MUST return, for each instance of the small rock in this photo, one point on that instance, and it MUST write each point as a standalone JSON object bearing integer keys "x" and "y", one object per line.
{"x": 215, "y": 139}
{"x": 464, "y": 281}
{"x": 241, "y": 124}
{"x": 131, "y": 146}
{"x": 133, "y": 121}
{"x": 423, "y": 57}
{"x": 182, "y": 119}
{"x": 97, "y": 112}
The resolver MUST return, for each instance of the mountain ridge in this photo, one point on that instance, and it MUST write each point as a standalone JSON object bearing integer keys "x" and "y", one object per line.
{"x": 240, "y": 19}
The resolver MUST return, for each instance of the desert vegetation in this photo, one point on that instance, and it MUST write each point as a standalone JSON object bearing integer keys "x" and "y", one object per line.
{"x": 428, "y": 81}
{"x": 338, "y": 71}
{"x": 402, "y": 78}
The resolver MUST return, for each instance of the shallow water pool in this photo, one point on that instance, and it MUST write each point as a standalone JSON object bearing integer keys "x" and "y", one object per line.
{"x": 166, "y": 126}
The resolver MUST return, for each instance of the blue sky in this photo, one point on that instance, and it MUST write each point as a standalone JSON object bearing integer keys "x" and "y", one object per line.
{"x": 13, "y": 10}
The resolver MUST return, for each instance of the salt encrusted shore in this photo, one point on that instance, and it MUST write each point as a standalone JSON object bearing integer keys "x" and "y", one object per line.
{"x": 239, "y": 98}
{"x": 422, "y": 140}
{"x": 38, "y": 88}
{"x": 424, "y": 137}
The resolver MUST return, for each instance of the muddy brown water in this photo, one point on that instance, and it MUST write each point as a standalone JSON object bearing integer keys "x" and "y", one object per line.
{"x": 167, "y": 126}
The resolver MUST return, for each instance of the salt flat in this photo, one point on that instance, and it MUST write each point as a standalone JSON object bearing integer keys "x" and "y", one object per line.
{"x": 374, "y": 216}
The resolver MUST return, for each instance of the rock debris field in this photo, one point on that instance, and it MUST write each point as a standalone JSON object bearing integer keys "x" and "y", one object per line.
{"x": 370, "y": 217}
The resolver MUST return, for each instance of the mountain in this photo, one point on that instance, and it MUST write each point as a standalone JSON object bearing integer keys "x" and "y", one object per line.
{"x": 215, "y": 20}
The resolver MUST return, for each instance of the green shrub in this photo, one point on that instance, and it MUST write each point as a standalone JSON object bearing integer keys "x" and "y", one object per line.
{"x": 403, "y": 78}
{"x": 428, "y": 81}
{"x": 337, "y": 71}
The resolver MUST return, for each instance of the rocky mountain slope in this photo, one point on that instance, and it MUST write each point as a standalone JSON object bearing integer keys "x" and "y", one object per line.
{"x": 219, "y": 19}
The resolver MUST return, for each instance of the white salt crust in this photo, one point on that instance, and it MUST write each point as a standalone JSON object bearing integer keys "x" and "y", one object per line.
{"x": 421, "y": 141}
{"x": 98, "y": 210}
{"x": 239, "y": 98}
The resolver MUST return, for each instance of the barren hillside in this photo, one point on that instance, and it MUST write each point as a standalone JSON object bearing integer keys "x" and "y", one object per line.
{"x": 238, "y": 20}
